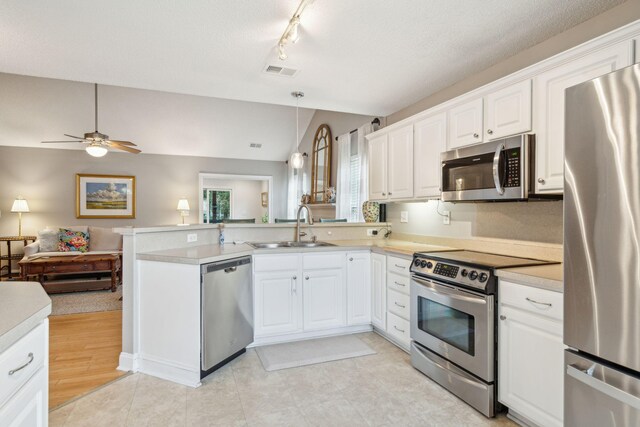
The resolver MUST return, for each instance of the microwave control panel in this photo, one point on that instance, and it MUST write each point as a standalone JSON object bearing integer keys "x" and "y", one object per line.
{"x": 513, "y": 167}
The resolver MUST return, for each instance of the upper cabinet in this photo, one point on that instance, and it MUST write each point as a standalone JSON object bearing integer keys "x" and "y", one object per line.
{"x": 391, "y": 165}
{"x": 508, "y": 111}
{"x": 549, "y": 90}
{"x": 465, "y": 124}
{"x": 429, "y": 140}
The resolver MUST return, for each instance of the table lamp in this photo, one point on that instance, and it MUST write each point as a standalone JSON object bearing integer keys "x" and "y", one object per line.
{"x": 20, "y": 206}
{"x": 183, "y": 207}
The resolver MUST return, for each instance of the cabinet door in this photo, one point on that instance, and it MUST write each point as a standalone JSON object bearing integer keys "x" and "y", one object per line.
{"x": 531, "y": 364}
{"x": 378, "y": 153}
{"x": 430, "y": 139}
{"x": 324, "y": 299}
{"x": 465, "y": 124}
{"x": 549, "y": 90}
{"x": 379, "y": 291}
{"x": 29, "y": 406}
{"x": 508, "y": 111}
{"x": 358, "y": 288}
{"x": 400, "y": 184}
{"x": 278, "y": 303}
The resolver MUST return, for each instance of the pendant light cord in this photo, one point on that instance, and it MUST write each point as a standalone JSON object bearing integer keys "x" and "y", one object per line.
{"x": 297, "y": 123}
{"x": 95, "y": 85}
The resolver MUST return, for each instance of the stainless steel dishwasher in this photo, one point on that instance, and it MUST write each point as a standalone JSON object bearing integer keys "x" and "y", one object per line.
{"x": 226, "y": 312}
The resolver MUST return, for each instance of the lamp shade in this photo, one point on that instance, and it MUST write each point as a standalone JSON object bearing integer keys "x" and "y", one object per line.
{"x": 297, "y": 160}
{"x": 96, "y": 150}
{"x": 183, "y": 205}
{"x": 20, "y": 205}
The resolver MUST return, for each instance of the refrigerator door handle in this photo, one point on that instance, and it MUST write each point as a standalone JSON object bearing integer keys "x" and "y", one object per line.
{"x": 585, "y": 377}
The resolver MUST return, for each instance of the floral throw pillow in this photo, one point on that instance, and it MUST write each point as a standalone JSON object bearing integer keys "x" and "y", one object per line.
{"x": 73, "y": 241}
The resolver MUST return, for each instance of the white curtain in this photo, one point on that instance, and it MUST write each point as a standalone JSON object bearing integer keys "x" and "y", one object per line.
{"x": 363, "y": 152}
{"x": 344, "y": 177}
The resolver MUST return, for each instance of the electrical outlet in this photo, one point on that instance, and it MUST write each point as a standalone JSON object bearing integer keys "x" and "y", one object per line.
{"x": 192, "y": 238}
{"x": 370, "y": 231}
{"x": 404, "y": 216}
{"x": 446, "y": 217}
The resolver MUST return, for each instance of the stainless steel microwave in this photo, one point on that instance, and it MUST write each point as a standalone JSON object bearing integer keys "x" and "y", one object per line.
{"x": 500, "y": 170}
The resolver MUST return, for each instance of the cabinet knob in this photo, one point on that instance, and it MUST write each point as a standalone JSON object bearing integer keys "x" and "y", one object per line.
{"x": 475, "y": 135}
{"x": 503, "y": 317}
{"x": 541, "y": 180}
{"x": 384, "y": 194}
{"x": 350, "y": 259}
{"x": 306, "y": 278}
{"x": 389, "y": 192}
{"x": 489, "y": 131}
{"x": 294, "y": 278}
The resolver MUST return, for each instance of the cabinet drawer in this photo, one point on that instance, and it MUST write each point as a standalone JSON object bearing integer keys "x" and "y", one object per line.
{"x": 398, "y": 265}
{"x": 29, "y": 350}
{"x": 398, "y": 328}
{"x": 398, "y": 283}
{"x": 281, "y": 262}
{"x": 322, "y": 261}
{"x": 398, "y": 304}
{"x": 535, "y": 300}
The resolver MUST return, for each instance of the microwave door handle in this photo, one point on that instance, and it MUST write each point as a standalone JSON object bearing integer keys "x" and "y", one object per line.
{"x": 496, "y": 169}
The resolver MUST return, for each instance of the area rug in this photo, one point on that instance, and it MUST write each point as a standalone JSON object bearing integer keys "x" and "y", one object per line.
{"x": 86, "y": 302}
{"x": 291, "y": 355}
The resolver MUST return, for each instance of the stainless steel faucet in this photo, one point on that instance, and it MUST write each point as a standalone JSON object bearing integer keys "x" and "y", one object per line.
{"x": 300, "y": 234}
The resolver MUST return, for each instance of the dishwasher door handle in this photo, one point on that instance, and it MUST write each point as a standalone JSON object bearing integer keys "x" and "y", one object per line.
{"x": 230, "y": 269}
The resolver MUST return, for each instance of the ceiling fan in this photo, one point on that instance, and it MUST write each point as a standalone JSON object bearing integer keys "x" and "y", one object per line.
{"x": 98, "y": 143}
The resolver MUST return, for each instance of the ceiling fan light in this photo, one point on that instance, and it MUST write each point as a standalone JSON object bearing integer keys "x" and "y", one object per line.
{"x": 296, "y": 160}
{"x": 96, "y": 150}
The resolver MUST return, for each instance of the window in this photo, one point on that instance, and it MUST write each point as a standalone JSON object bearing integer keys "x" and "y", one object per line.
{"x": 217, "y": 205}
{"x": 354, "y": 188}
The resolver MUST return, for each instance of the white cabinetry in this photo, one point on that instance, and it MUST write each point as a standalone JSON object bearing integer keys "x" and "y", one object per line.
{"x": 391, "y": 165}
{"x": 508, "y": 111}
{"x": 358, "y": 288}
{"x": 24, "y": 392}
{"x": 465, "y": 124}
{"x": 379, "y": 291}
{"x": 278, "y": 302}
{"x": 398, "y": 289}
{"x": 324, "y": 299}
{"x": 430, "y": 139}
{"x": 549, "y": 90}
{"x": 531, "y": 353}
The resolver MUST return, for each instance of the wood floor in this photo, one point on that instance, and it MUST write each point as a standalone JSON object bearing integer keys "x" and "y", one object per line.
{"x": 83, "y": 353}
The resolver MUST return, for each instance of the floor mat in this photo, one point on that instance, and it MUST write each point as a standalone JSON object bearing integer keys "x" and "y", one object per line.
{"x": 86, "y": 302}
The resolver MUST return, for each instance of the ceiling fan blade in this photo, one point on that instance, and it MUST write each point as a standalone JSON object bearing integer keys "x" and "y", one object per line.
{"x": 117, "y": 146}
{"x": 60, "y": 142}
{"x": 123, "y": 142}
{"x": 77, "y": 137}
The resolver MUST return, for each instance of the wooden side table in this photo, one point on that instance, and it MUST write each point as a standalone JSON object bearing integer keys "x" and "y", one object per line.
{"x": 9, "y": 257}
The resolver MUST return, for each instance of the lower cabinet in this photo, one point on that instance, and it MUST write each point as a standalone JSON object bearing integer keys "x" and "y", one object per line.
{"x": 379, "y": 291}
{"x": 324, "y": 294}
{"x": 359, "y": 288}
{"x": 531, "y": 353}
{"x": 29, "y": 407}
{"x": 278, "y": 302}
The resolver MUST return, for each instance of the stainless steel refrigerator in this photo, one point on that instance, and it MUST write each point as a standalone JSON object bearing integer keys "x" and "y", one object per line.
{"x": 602, "y": 251}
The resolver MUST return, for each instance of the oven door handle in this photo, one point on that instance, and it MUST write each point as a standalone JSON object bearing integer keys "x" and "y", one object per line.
{"x": 496, "y": 169}
{"x": 450, "y": 293}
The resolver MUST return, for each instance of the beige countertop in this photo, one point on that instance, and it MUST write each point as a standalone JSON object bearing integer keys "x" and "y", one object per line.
{"x": 540, "y": 276}
{"x": 202, "y": 254}
{"x": 23, "y": 305}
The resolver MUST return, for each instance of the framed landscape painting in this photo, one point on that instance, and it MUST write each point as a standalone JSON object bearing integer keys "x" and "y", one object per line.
{"x": 105, "y": 196}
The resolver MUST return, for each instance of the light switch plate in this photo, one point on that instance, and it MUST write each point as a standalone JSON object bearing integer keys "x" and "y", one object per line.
{"x": 192, "y": 238}
{"x": 404, "y": 216}
{"x": 446, "y": 217}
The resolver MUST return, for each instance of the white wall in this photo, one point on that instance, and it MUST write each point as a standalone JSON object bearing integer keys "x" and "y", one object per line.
{"x": 246, "y": 197}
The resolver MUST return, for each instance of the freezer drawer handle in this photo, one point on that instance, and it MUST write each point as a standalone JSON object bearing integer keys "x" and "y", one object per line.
{"x": 601, "y": 386}
{"x": 20, "y": 368}
{"x": 230, "y": 269}
{"x": 548, "y": 304}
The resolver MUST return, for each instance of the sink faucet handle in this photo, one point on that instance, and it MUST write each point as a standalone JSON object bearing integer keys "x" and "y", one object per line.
{"x": 314, "y": 239}
{"x": 302, "y": 234}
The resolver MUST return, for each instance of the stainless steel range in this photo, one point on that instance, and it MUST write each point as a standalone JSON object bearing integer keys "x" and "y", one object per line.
{"x": 453, "y": 322}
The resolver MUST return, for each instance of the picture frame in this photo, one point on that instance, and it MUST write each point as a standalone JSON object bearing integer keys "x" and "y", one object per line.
{"x": 265, "y": 199}
{"x": 105, "y": 196}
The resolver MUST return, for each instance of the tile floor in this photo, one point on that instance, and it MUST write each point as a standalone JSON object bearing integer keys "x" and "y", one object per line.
{"x": 378, "y": 390}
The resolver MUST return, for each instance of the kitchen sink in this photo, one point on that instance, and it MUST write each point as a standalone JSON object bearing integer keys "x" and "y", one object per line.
{"x": 277, "y": 245}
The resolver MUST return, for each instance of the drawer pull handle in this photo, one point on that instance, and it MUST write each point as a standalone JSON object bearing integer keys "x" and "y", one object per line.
{"x": 400, "y": 266}
{"x": 400, "y": 305}
{"x": 398, "y": 329}
{"x": 548, "y": 304}
{"x": 399, "y": 284}
{"x": 13, "y": 371}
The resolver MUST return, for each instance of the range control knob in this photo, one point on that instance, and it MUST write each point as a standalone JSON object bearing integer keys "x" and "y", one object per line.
{"x": 483, "y": 277}
{"x": 473, "y": 275}
{"x": 416, "y": 262}
{"x": 423, "y": 264}
{"x": 464, "y": 272}
{"x": 429, "y": 264}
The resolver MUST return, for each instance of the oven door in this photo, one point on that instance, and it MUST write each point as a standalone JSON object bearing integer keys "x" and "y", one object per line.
{"x": 495, "y": 170}
{"x": 454, "y": 323}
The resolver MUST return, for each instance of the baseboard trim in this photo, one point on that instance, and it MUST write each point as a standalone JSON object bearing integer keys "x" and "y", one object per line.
{"x": 127, "y": 362}
{"x": 278, "y": 339}
{"x": 168, "y": 371}
{"x": 392, "y": 340}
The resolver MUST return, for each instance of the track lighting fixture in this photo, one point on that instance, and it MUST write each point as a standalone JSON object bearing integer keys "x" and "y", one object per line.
{"x": 292, "y": 32}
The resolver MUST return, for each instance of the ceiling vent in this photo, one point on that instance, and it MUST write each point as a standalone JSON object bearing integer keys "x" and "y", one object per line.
{"x": 280, "y": 71}
{"x": 254, "y": 145}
